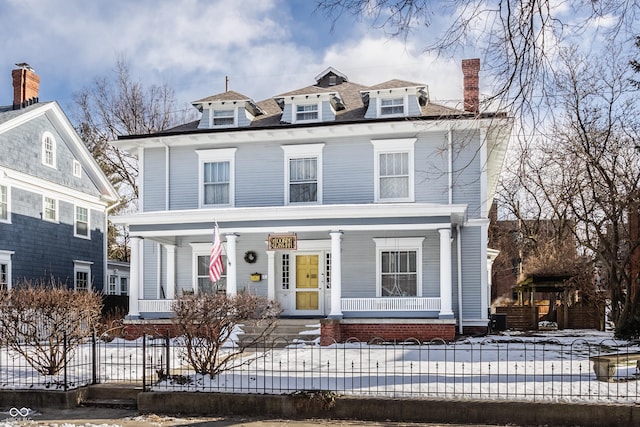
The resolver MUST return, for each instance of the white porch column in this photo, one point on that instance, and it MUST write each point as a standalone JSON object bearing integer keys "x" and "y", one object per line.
{"x": 445, "y": 273}
{"x": 271, "y": 275}
{"x": 135, "y": 274}
{"x": 171, "y": 271}
{"x": 336, "y": 275}
{"x": 232, "y": 272}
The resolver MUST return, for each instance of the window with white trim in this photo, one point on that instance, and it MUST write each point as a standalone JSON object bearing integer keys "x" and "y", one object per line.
{"x": 223, "y": 117}
{"x": 392, "y": 107}
{"x": 217, "y": 176}
{"x": 48, "y": 150}
{"x": 124, "y": 285}
{"x": 81, "y": 224}
{"x": 112, "y": 288}
{"x": 50, "y": 209}
{"x": 5, "y": 270}
{"x": 4, "y": 204}
{"x": 77, "y": 169}
{"x": 399, "y": 267}
{"x": 303, "y": 173}
{"x": 286, "y": 269}
{"x": 201, "y": 256}
{"x": 307, "y": 112}
{"x": 394, "y": 170}
{"x": 82, "y": 275}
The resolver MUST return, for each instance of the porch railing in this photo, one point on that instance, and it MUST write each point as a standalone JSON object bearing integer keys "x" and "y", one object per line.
{"x": 155, "y": 305}
{"x": 391, "y": 304}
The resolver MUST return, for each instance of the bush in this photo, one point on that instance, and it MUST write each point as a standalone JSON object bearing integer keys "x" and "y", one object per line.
{"x": 36, "y": 318}
{"x": 206, "y": 324}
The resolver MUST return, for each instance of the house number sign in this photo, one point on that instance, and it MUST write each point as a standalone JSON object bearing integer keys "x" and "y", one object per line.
{"x": 283, "y": 242}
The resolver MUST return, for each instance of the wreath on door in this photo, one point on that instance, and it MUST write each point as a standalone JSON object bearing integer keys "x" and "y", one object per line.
{"x": 250, "y": 257}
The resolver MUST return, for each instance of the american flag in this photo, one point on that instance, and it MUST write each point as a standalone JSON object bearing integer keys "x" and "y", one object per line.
{"x": 215, "y": 259}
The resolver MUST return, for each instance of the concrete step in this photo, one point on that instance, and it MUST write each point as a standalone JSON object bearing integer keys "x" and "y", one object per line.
{"x": 287, "y": 331}
{"x": 111, "y": 403}
{"x": 113, "y": 391}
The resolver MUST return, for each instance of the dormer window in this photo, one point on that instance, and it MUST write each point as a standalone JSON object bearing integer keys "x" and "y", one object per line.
{"x": 308, "y": 112}
{"x": 392, "y": 107}
{"x": 223, "y": 117}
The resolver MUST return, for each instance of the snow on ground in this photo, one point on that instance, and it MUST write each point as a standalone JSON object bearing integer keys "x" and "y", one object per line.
{"x": 545, "y": 365}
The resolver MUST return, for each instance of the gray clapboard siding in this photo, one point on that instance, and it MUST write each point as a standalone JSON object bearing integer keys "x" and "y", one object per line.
{"x": 204, "y": 120}
{"x": 471, "y": 268}
{"x": 154, "y": 179}
{"x": 413, "y": 109}
{"x": 150, "y": 288}
{"x": 21, "y": 150}
{"x": 328, "y": 115}
{"x": 372, "y": 110}
{"x": 243, "y": 119}
{"x": 348, "y": 171}
{"x": 466, "y": 167}
{"x": 431, "y": 168}
{"x": 183, "y": 170}
{"x": 259, "y": 175}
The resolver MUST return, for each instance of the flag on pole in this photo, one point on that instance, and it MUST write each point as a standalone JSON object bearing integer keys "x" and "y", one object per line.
{"x": 215, "y": 258}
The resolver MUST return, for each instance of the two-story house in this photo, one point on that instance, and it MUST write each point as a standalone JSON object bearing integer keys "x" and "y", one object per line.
{"x": 364, "y": 206}
{"x": 54, "y": 197}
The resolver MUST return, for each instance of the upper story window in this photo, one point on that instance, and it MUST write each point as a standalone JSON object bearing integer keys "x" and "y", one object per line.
{"x": 392, "y": 107}
{"x": 77, "y": 169}
{"x": 303, "y": 173}
{"x": 217, "y": 177}
{"x": 50, "y": 208}
{"x": 48, "y": 150}
{"x": 399, "y": 267}
{"x": 307, "y": 112}
{"x": 223, "y": 117}
{"x": 82, "y": 275}
{"x": 4, "y": 204}
{"x": 81, "y": 227}
{"x": 394, "y": 170}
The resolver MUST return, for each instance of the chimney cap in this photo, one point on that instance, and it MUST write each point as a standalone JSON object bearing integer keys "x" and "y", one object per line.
{"x": 24, "y": 66}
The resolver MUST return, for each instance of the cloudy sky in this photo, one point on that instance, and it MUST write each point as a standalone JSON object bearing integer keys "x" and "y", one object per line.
{"x": 266, "y": 47}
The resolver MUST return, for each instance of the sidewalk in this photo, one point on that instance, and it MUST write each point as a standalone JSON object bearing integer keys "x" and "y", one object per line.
{"x": 104, "y": 417}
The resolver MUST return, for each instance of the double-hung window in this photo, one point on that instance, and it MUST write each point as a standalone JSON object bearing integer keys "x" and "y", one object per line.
{"x": 82, "y": 275}
{"x": 394, "y": 170}
{"x": 399, "y": 267}
{"x": 223, "y": 117}
{"x": 216, "y": 177}
{"x": 81, "y": 224}
{"x": 50, "y": 209}
{"x": 113, "y": 280}
{"x": 201, "y": 256}
{"x": 303, "y": 173}
{"x": 392, "y": 107}
{"x": 48, "y": 150}
{"x": 306, "y": 112}
{"x": 124, "y": 285}
{"x": 4, "y": 204}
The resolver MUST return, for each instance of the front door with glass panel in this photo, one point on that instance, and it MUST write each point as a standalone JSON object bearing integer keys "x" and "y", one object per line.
{"x": 307, "y": 283}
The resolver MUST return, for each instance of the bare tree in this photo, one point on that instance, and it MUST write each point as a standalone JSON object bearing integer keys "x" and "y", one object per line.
{"x": 116, "y": 105}
{"x": 519, "y": 40}
{"x": 207, "y": 323}
{"x": 584, "y": 172}
{"x": 46, "y": 322}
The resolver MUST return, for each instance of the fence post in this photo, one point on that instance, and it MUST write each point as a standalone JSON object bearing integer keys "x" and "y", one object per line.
{"x": 94, "y": 356}
{"x": 64, "y": 359}
{"x": 168, "y": 352}
{"x": 144, "y": 362}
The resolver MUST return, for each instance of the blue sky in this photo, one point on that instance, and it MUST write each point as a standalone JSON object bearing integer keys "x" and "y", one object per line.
{"x": 266, "y": 47}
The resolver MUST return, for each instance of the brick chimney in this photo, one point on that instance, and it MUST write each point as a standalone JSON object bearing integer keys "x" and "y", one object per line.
{"x": 26, "y": 85}
{"x": 470, "y": 71}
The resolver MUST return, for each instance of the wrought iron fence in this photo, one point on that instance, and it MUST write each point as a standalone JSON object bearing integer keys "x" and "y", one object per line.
{"x": 488, "y": 368}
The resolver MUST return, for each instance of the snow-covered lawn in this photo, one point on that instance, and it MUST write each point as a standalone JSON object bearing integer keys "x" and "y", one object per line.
{"x": 549, "y": 366}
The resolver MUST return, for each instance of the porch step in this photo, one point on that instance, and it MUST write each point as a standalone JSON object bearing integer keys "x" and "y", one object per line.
{"x": 122, "y": 396}
{"x": 286, "y": 332}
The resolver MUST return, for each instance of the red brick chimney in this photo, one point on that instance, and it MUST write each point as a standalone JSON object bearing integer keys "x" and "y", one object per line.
{"x": 470, "y": 71}
{"x": 26, "y": 85}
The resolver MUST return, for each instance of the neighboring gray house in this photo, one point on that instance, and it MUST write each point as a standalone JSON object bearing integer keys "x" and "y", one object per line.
{"x": 53, "y": 196}
{"x": 366, "y": 207}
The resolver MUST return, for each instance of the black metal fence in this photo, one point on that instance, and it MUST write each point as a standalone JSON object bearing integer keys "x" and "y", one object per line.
{"x": 488, "y": 368}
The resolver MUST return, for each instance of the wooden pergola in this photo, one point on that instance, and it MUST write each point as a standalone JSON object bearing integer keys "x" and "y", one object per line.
{"x": 544, "y": 284}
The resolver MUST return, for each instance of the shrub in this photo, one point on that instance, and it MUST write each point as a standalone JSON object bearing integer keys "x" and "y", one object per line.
{"x": 36, "y": 318}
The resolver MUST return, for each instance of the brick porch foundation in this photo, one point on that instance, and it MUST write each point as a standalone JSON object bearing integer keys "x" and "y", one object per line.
{"x": 366, "y": 330}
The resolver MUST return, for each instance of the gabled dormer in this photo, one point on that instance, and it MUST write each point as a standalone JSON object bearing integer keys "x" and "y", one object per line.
{"x": 395, "y": 98}
{"x": 317, "y": 103}
{"x": 226, "y": 110}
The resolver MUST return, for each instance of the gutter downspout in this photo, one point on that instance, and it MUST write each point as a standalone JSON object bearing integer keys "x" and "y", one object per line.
{"x": 450, "y": 154}
{"x": 459, "y": 265}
